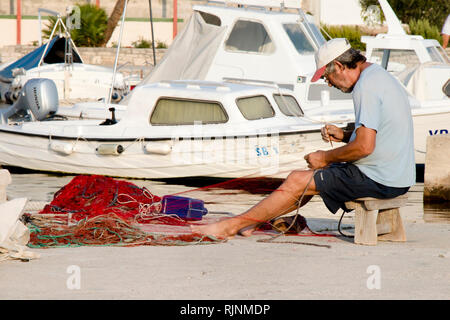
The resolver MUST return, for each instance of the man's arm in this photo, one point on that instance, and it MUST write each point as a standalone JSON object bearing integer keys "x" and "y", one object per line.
{"x": 361, "y": 147}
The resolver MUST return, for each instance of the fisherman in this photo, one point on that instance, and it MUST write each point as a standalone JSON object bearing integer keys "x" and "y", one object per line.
{"x": 376, "y": 161}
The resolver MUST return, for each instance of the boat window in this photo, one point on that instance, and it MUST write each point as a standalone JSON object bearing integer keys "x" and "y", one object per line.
{"x": 210, "y": 18}
{"x": 395, "y": 60}
{"x": 249, "y": 36}
{"x": 443, "y": 54}
{"x": 254, "y": 108}
{"x": 171, "y": 111}
{"x": 317, "y": 34}
{"x": 434, "y": 55}
{"x": 298, "y": 38}
{"x": 288, "y": 105}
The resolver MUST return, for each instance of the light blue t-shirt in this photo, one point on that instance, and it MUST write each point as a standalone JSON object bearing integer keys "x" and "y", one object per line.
{"x": 382, "y": 104}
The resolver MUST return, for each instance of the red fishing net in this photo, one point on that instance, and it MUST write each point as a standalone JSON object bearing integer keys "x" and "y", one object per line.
{"x": 90, "y": 196}
{"x": 98, "y": 210}
{"x": 102, "y": 211}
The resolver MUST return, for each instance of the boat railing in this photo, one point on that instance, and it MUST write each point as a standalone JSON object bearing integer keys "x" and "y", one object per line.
{"x": 68, "y": 58}
{"x": 53, "y": 13}
{"x": 280, "y": 4}
{"x": 265, "y": 83}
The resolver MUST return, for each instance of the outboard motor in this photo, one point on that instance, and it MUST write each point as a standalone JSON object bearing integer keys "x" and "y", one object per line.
{"x": 37, "y": 101}
{"x": 11, "y": 96}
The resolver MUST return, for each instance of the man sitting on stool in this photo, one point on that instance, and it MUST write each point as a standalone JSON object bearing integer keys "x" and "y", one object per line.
{"x": 377, "y": 161}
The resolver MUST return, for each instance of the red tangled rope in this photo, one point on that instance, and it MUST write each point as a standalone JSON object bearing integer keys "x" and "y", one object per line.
{"x": 89, "y": 196}
{"x": 106, "y": 230}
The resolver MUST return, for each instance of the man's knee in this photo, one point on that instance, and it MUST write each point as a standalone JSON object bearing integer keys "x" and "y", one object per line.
{"x": 298, "y": 180}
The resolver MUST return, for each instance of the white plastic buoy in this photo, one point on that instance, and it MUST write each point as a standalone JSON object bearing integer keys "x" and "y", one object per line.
{"x": 110, "y": 149}
{"x": 158, "y": 148}
{"x": 62, "y": 147}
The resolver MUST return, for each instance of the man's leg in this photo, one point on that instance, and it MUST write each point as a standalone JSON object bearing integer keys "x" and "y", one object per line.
{"x": 281, "y": 201}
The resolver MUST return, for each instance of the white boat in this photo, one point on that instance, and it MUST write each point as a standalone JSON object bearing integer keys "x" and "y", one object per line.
{"x": 202, "y": 53}
{"x": 423, "y": 68}
{"x": 60, "y": 61}
{"x": 275, "y": 41}
{"x": 173, "y": 129}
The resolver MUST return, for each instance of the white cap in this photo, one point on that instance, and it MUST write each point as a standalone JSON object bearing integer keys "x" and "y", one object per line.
{"x": 329, "y": 51}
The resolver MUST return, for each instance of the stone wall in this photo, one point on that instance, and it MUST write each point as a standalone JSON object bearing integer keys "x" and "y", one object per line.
{"x": 131, "y": 60}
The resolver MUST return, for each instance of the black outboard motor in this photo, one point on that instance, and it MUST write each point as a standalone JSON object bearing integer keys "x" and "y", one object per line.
{"x": 38, "y": 100}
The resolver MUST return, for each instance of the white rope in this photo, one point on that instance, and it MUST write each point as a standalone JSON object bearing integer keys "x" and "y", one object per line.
{"x": 35, "y": 205}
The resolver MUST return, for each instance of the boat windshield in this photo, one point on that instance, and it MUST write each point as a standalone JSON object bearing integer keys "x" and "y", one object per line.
{"x": 395, "y": 60}
{"x": 254, "y": 108}
{"x": 177, "y": 111}
{"x": 288, "y": 105}
{"x": 299, "y": 39}
{"x": 317, "y": 34}
{"x": 438, "y": 54}
{"x": 250, "y": 37}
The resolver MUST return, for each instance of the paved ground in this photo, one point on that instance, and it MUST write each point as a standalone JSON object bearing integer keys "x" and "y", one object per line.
{"x": 243, "y": 268}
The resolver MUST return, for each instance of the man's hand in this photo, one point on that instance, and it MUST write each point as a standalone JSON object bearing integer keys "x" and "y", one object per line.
{"x": 333, "y": 133}
{"x": 316, "y": 160}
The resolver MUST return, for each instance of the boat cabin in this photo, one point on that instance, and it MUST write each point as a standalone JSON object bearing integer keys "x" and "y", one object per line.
{"x": 157, "y": 109}
{"x": 421, "y": 65}
{"x": 254, "y": 40}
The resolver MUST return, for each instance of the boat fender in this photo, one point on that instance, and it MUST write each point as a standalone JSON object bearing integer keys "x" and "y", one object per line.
{"x": 110, "y": 149}
{"x": 158, "y": 148}
{"x": 61, "y": 147}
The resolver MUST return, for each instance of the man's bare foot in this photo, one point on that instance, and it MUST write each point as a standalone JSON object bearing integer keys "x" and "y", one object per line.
{"x": 222, "y": 230}
{"x": 248, "y": 231}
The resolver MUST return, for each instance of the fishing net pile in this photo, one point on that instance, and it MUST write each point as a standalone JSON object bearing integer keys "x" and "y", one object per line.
{"x": 102, "y": 211}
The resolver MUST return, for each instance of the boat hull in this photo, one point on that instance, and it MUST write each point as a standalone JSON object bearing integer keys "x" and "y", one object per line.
{"x": 425, "y": 125}
{"x": 229, "y": 157}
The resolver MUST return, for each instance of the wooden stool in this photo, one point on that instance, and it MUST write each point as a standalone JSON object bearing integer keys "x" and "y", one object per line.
{"x": 378, "y": 219}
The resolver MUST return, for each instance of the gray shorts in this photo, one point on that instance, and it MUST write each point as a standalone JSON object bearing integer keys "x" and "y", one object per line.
{"x": 342, "y": 182}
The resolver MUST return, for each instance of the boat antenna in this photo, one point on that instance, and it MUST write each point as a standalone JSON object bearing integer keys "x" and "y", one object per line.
{"x": 108, "y": 99}
{"x": 394, "y": 25}
{"x": 153, "y": 38}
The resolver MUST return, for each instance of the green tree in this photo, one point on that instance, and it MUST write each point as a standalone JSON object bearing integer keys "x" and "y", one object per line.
{"x": 93, "y": 22}
{"x": 425, "y": 29}
{"x": 351, "y": 33}
{"x": 113, "y": 19}
{"x": 406, "y": 10}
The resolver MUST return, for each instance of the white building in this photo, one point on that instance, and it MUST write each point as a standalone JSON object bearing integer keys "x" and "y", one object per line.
{"x": 335, "y": 12}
